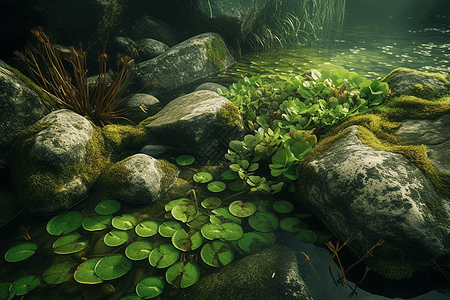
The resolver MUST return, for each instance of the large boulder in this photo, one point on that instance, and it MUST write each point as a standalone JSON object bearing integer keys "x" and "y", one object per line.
{"x": 180, "y": 67}
{"x": 201, "y": 123}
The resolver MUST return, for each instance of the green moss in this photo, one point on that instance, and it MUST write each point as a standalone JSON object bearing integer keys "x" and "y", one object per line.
{"x": 170, "y": 173}
{"x": 228, "y": 115}
{"x": 119, "y": 137}
{"x": 216, "y": 51}
{"x": 115, "y": 178}
{"x": 438, "y": 76}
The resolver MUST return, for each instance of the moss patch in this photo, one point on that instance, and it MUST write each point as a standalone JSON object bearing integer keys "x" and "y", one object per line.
{"x": 228, "y": 115}
{"x": 216, "y": 51}
{"x": 444, "y": 79}
{"x": 119, "y": 137}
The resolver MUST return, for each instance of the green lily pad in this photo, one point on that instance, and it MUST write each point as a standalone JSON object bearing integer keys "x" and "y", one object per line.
{"x": 173, "y": 203}
{"x": 124, "y": 222}
{"x": 253, "y": 242}
{"x": 183, "y": 274}
{"x": 237, "y": 186}
{"x": 147, "y": 228}
{"x": 216, "y": 186}
{"x": 202, "y": 177}
{"x": 242, "y": 209}
{"x": 211, "y": 202}
{"x": 107, "y": 207}
{"x": 20, "y": 252}
{"x": 290, "y": 224}
{"x": 222, "y": 215}
{"x": 59, "y": 273}
{"x": 164, "y": 256}
{"x": 168, "y": 228}
{"x": 23, "y": 285}
{"x": 69, "y": 243}
{"x": 229, "y": 175}
{"x": 187, "y": 241}
{"x": 131, "y": 297}
{"x": 4, "y": 291}
{"x": 184, "y": 212}
{"x": 139, "y": 250}
{"x": 283, "y": 206}
{"x": 185, "y": 160}
{"x": 199, "y": 221}
{"x": 217, "y": 254}
{"x": 85, "y": 272}
{"x": 64, "y": 223}
{"x": 270, "y": 236}
{"x": 263, "y": 221}
{"x": 96, "y": 223}
{"x": 112, "y": 266}
{"x": 116, "y": 238}
{"x": 307, "y": 236}
{"x": 226, "y": 231}
{"x": 150, "y": 287}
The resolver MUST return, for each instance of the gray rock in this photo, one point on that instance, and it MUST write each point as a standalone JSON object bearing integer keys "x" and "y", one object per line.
{"x": 211, "y": 86}
{"x": 193, "y": 123}
{"x": 158, "y": 150}
{"x": 269, "y": 275}
{"x": 151, "y": 27}
{"x": 140, "y": 178}
{"x": 179, "y": 67}
{"x": 144, "y": 106}
{"x": 150, "y": 48}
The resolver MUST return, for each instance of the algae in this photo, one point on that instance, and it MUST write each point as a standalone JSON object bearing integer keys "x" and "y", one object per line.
{"x": 229, "y": 115}
{"x": 119, "y": 137}
{"x": 216, "y": 51}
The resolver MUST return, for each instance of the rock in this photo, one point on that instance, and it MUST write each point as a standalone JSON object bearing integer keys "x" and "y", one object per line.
{"x": 158, "y": 151}
{"x": 210, "y": 86}
{"x": 150, "y": 27}
{"x": 269, "y": 275}
{"x": 150, "y": 48}
{"x": 404, "y": 81}
{"x": 181, "y": 66}
{"x": 140, "y": 178}
{"x": 144, "y": 106}
{"x": 56, "y": 162}
{"x": 201, "y": 123}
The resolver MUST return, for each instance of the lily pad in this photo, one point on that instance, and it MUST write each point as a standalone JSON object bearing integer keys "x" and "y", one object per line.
{"x": 185, "y": 160}
{"x": 85, "y": 272}
{"x": 183, "y": 274}
{"x": 112, "y": 266}
{"x": 216, "y": 186}
{"x": 217, "y": 253}
{"x": 20, "y": 252}
{"x": 211, "y": 202}
{"x": 173, "y": 203}
{"x": 69, "y": 243}
{"x": 263, "y": 221}
{"x": 253, "y": 242}
{"x": 199, "y": 221}
{"x": 150, "y": 287}
{"x": 4, "y": 291}
{"x": 290, "y": 224}
{"x": 96, "y": 223}
{"x": 229, "y": 175}
{"x": 187, "y": 241}
{"x": 147, "y": 228}
{"x": 131, "y": 297}
{"x": 107, "y": 207}
{"x": 64, "y": 223}
{"x": 168, "y": 228}
{"x": 139, "y": 250}
{"x": 283, "y": 206}
{"x": 226, "y": 231}
{"x": 222, "y": 215}
{"x": 164, "y": 256}
{"x": 307, "y": 236}
{"x": 242, "y": 209}
{"x": 185, "y": 212}
{"x": 116, "y": 238}
{"x": 59, "y": 273}
{"x": 23, "y": 285}
{"x": 124, "y": 222}
{"x": 202, "y": 177}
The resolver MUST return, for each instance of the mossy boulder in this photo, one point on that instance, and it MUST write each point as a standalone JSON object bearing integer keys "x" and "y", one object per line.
{"x": 56, "y": 162}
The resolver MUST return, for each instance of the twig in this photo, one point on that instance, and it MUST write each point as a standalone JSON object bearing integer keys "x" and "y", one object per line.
{"x": 369, "y": 252}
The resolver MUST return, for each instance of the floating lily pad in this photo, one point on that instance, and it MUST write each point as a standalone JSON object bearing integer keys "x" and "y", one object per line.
{"x": 147, "y": 228}
{"x": 283, "y": 206}
{"x": 116, "y": 238}
{"x": 124, "y": 222}
{"x": 290, "y": 224}
{"x": 202, "y": 177}
{"x": 64, "y": 223}
{"x": 216, "y": 186}
{"x": 253, "y": 242}
{"x": 69, "y": 243}
{"x": 199, "y": 221}
{"x": 173, "y": 203}
{"x": 85, "y": 272}
{"x": 237, "y": 186}
{"x": 107, "y": 207}
{"x": 20, "y": 252}
{"x": 242, "y": 209}
{"x": 183, "y": 274}
{"x": 217, "y": 253}
{"x": 263, "y": 221}
{"x": 139, "y": 250}
{"x": 23, "y": 285}
{"x": 270, "y": 236}
{"x": 226, "y": 231}
{"x": 184, "y": 212}
{"x": 229, "y": 175}
{"x": 185, "y": 160}
{"x": 163, "y": 256}
{"x": 132, "y": 297}
{"x": 96, "y": 223}
{"x": 187, "y": 241}
{"x": 211, "y": 202}
{"x": 150, "y": 287}
{"x": 222, "y": 215}
{"x": 59, "y": 273}
{"x": 112, "y": 266}
{"x": 4, "y": 291}
{"x": 307, "y": 236}
{"x": 168, "y": 228}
